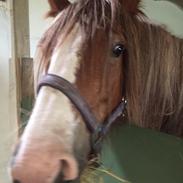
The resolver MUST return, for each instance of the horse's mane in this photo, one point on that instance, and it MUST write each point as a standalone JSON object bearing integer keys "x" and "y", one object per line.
{"x": 153, "y": 65}
{"x": 154, "y": 77}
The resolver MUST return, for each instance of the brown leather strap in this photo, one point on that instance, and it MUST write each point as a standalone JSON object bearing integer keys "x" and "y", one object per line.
{"x": 97, "y": 130}
{"x": 72, "y": 93}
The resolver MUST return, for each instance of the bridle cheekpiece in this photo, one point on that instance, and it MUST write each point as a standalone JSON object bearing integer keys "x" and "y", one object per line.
{"x": 97, "y": 130}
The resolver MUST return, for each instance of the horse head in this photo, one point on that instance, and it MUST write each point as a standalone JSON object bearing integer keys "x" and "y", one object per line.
{"x": 95, "y": 53}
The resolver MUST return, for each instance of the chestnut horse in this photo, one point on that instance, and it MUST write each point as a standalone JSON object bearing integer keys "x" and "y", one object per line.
{"x": 105, "y": 50}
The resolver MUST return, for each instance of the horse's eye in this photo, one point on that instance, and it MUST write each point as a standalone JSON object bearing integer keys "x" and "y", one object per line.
{"x": 118, "y": 50}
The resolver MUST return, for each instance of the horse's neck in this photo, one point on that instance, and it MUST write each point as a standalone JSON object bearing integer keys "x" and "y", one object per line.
{"x": 169, "y": 60}
{"x": 157, "y": 67}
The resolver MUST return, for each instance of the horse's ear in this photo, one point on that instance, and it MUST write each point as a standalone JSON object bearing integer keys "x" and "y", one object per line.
{"x": 56, "y": 6}
{"x": 132, "y": 6}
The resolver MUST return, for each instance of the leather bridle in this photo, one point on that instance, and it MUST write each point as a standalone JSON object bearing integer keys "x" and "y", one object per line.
{"x": 97, "y": 130}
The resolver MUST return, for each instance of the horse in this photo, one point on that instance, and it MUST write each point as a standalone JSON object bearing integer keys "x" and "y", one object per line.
{"x": 96, "y": 55}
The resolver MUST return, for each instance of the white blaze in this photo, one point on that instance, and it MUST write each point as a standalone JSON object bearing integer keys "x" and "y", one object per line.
{"x": 52, "y": 116}
{"x": 65, "y": 60}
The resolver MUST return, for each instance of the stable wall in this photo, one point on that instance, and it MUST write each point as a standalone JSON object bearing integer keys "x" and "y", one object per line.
{"x": 7, "y": 129}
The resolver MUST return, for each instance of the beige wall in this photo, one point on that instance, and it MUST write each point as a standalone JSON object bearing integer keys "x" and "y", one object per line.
{"x": 38, "y": 23}
{"x": 7, "y": 129}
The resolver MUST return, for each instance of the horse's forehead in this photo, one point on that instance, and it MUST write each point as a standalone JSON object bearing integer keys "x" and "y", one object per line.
{"x": 68, "y": 42}
{"x": 65, "y": 60}
{"x": 73, "y": 37}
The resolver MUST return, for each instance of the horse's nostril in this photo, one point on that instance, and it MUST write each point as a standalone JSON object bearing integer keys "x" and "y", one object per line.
{"x": 16, "y": 181}
{"x": 59, "y": 177}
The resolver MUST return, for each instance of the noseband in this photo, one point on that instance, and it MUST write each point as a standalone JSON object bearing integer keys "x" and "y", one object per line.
{"x": 97, "y": 130}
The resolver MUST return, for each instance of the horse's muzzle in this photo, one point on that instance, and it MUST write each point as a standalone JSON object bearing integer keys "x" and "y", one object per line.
{"x": 43, "y": 166}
